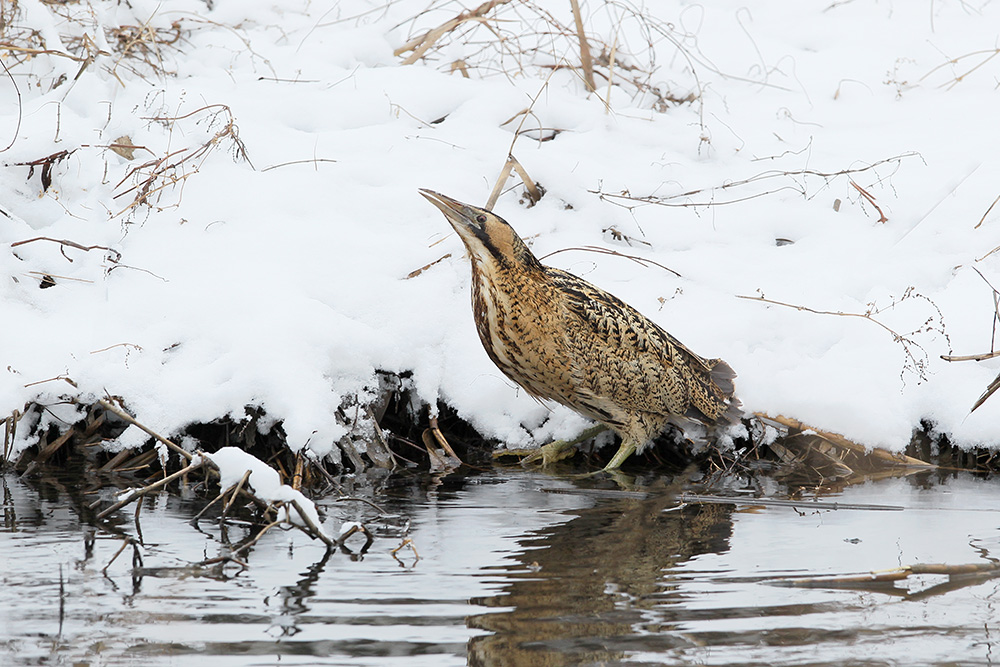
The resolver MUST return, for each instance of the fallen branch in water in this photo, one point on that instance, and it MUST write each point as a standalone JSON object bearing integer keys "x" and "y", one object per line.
{"x": 135, "y": 494}
{"x": 884, "y": 581}
{"x": 783, "y": 502}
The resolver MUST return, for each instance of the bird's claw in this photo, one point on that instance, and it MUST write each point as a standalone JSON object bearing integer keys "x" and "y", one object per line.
{"x": 549, "y": 454}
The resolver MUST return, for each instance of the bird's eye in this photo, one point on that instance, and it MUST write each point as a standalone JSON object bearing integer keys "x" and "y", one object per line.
{"x": 481, "y": 219}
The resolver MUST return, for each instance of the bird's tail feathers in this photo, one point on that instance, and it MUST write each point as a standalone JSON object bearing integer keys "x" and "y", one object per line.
{"x": 722, "y": 374}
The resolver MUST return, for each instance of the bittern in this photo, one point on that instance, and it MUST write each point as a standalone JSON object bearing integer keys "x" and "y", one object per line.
{"x": 565, "y": 340}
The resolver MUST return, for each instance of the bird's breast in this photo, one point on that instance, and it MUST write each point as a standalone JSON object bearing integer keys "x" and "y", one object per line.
{"x": 517, "y": 322}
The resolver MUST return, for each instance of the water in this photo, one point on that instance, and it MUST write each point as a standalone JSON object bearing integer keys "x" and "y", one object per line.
{"x": 515, "y": 568}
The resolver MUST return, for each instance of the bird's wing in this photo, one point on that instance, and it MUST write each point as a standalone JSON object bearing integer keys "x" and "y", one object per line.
{"x": 635, "y": 361}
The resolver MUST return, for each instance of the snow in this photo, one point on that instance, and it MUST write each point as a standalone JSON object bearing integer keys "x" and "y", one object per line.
{"x": 233, "y": 463}
{"x": 349, "y": 527}
{"x": 280, "y": 281}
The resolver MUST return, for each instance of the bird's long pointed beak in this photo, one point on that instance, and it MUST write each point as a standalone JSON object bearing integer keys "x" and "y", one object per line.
{"x": 455, "y": 211}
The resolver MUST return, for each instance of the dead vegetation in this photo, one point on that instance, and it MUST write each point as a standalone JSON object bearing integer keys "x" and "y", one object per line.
{"x": 806, "y": 182}
{"x": 82, "y": 436}
{"x": 143, "y": 49}
{"x": 614, "y": 47}
{"x": 168, "y": 172}
{"x": 993, "y": 386}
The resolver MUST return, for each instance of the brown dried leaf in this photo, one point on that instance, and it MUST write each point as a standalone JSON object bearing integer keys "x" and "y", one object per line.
{"x": 123, "y": 146}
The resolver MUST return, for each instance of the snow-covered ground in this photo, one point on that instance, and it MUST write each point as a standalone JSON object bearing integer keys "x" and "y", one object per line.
{"x": 255, "y": 248}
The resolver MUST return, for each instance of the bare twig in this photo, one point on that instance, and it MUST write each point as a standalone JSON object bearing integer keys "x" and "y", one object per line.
{"x": 314, "y": 530}
{"x": 440, "y": 439}
{"x": 534, "y": 194}
{"x": 989, "y": 54}
{"x": 683, "y": 199}
{"x": 641, "y": 261}
{"x": 47, "y": 163}
{"x": 357, "y": 528}
{"x": 138, "y": 493}
{"x": 313, "y": 161}
{"x": 420, "y": 45}
{"x": 174, "y": 168}
{"x": 71, "y": 244}
{"x": 983, "y": 219}
{"x": 915, "y": 364}
{"x": 990, "y": 390}
{"x": 235, "y": 493}
{"x": 417, "y": 272}
{"x": 407, "y": 542}
{"x": 970, "y": 357}
{"x": 125, "y": 543}
{"x": 256, "y": 537}
{"x": 512, "y": 164}
{"x": 871, "y": 200}
{"x": 20, "y": 109}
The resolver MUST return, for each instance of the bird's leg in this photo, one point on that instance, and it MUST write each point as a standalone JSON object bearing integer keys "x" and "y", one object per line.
{"x": 554, "y": 451}
{"x": 626, "y": 450}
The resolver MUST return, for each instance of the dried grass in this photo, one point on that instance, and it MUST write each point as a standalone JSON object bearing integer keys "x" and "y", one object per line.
{"x": 168, "y": 172}
{"x": 514, "y": 37}
{"x": 141, "y": 49}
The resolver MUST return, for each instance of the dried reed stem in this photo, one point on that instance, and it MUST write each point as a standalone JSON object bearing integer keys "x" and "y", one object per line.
{"x": 420, "y": 45}
{"x": 121, "y": 414}
{"x": 585, "y": 60}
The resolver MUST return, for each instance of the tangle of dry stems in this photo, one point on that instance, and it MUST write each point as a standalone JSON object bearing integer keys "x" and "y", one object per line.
{"x": 153, "y": 177}
{"x": 521, "y": 36}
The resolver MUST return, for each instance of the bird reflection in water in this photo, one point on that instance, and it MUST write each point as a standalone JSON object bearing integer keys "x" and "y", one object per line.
{"x": 597, "y": 587}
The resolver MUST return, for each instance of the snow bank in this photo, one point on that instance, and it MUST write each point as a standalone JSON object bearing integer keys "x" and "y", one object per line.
{"x": 269, "y": 265}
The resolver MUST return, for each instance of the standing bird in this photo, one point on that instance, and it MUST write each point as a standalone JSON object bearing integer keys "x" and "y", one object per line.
{"x": 565, "y": 340}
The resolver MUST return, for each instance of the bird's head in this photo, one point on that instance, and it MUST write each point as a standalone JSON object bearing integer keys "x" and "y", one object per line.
{"x": 487, "y": 236}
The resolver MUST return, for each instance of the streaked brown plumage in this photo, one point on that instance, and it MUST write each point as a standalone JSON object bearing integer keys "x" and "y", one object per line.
{"x": 565, "y": 340}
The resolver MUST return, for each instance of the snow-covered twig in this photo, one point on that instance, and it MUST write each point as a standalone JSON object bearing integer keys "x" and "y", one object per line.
{"x": 124, "y": 416}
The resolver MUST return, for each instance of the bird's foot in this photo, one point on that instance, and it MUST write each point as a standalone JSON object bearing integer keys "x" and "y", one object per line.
{"x": 554, "y": 451}
{"x": 548, "y": 454}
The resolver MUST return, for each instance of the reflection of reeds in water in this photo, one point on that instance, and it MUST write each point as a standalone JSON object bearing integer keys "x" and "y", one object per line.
{"x": 580, "y": 585}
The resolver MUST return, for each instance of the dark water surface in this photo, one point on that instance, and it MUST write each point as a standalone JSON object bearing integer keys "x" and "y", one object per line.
{"x": 514, "y": 568}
